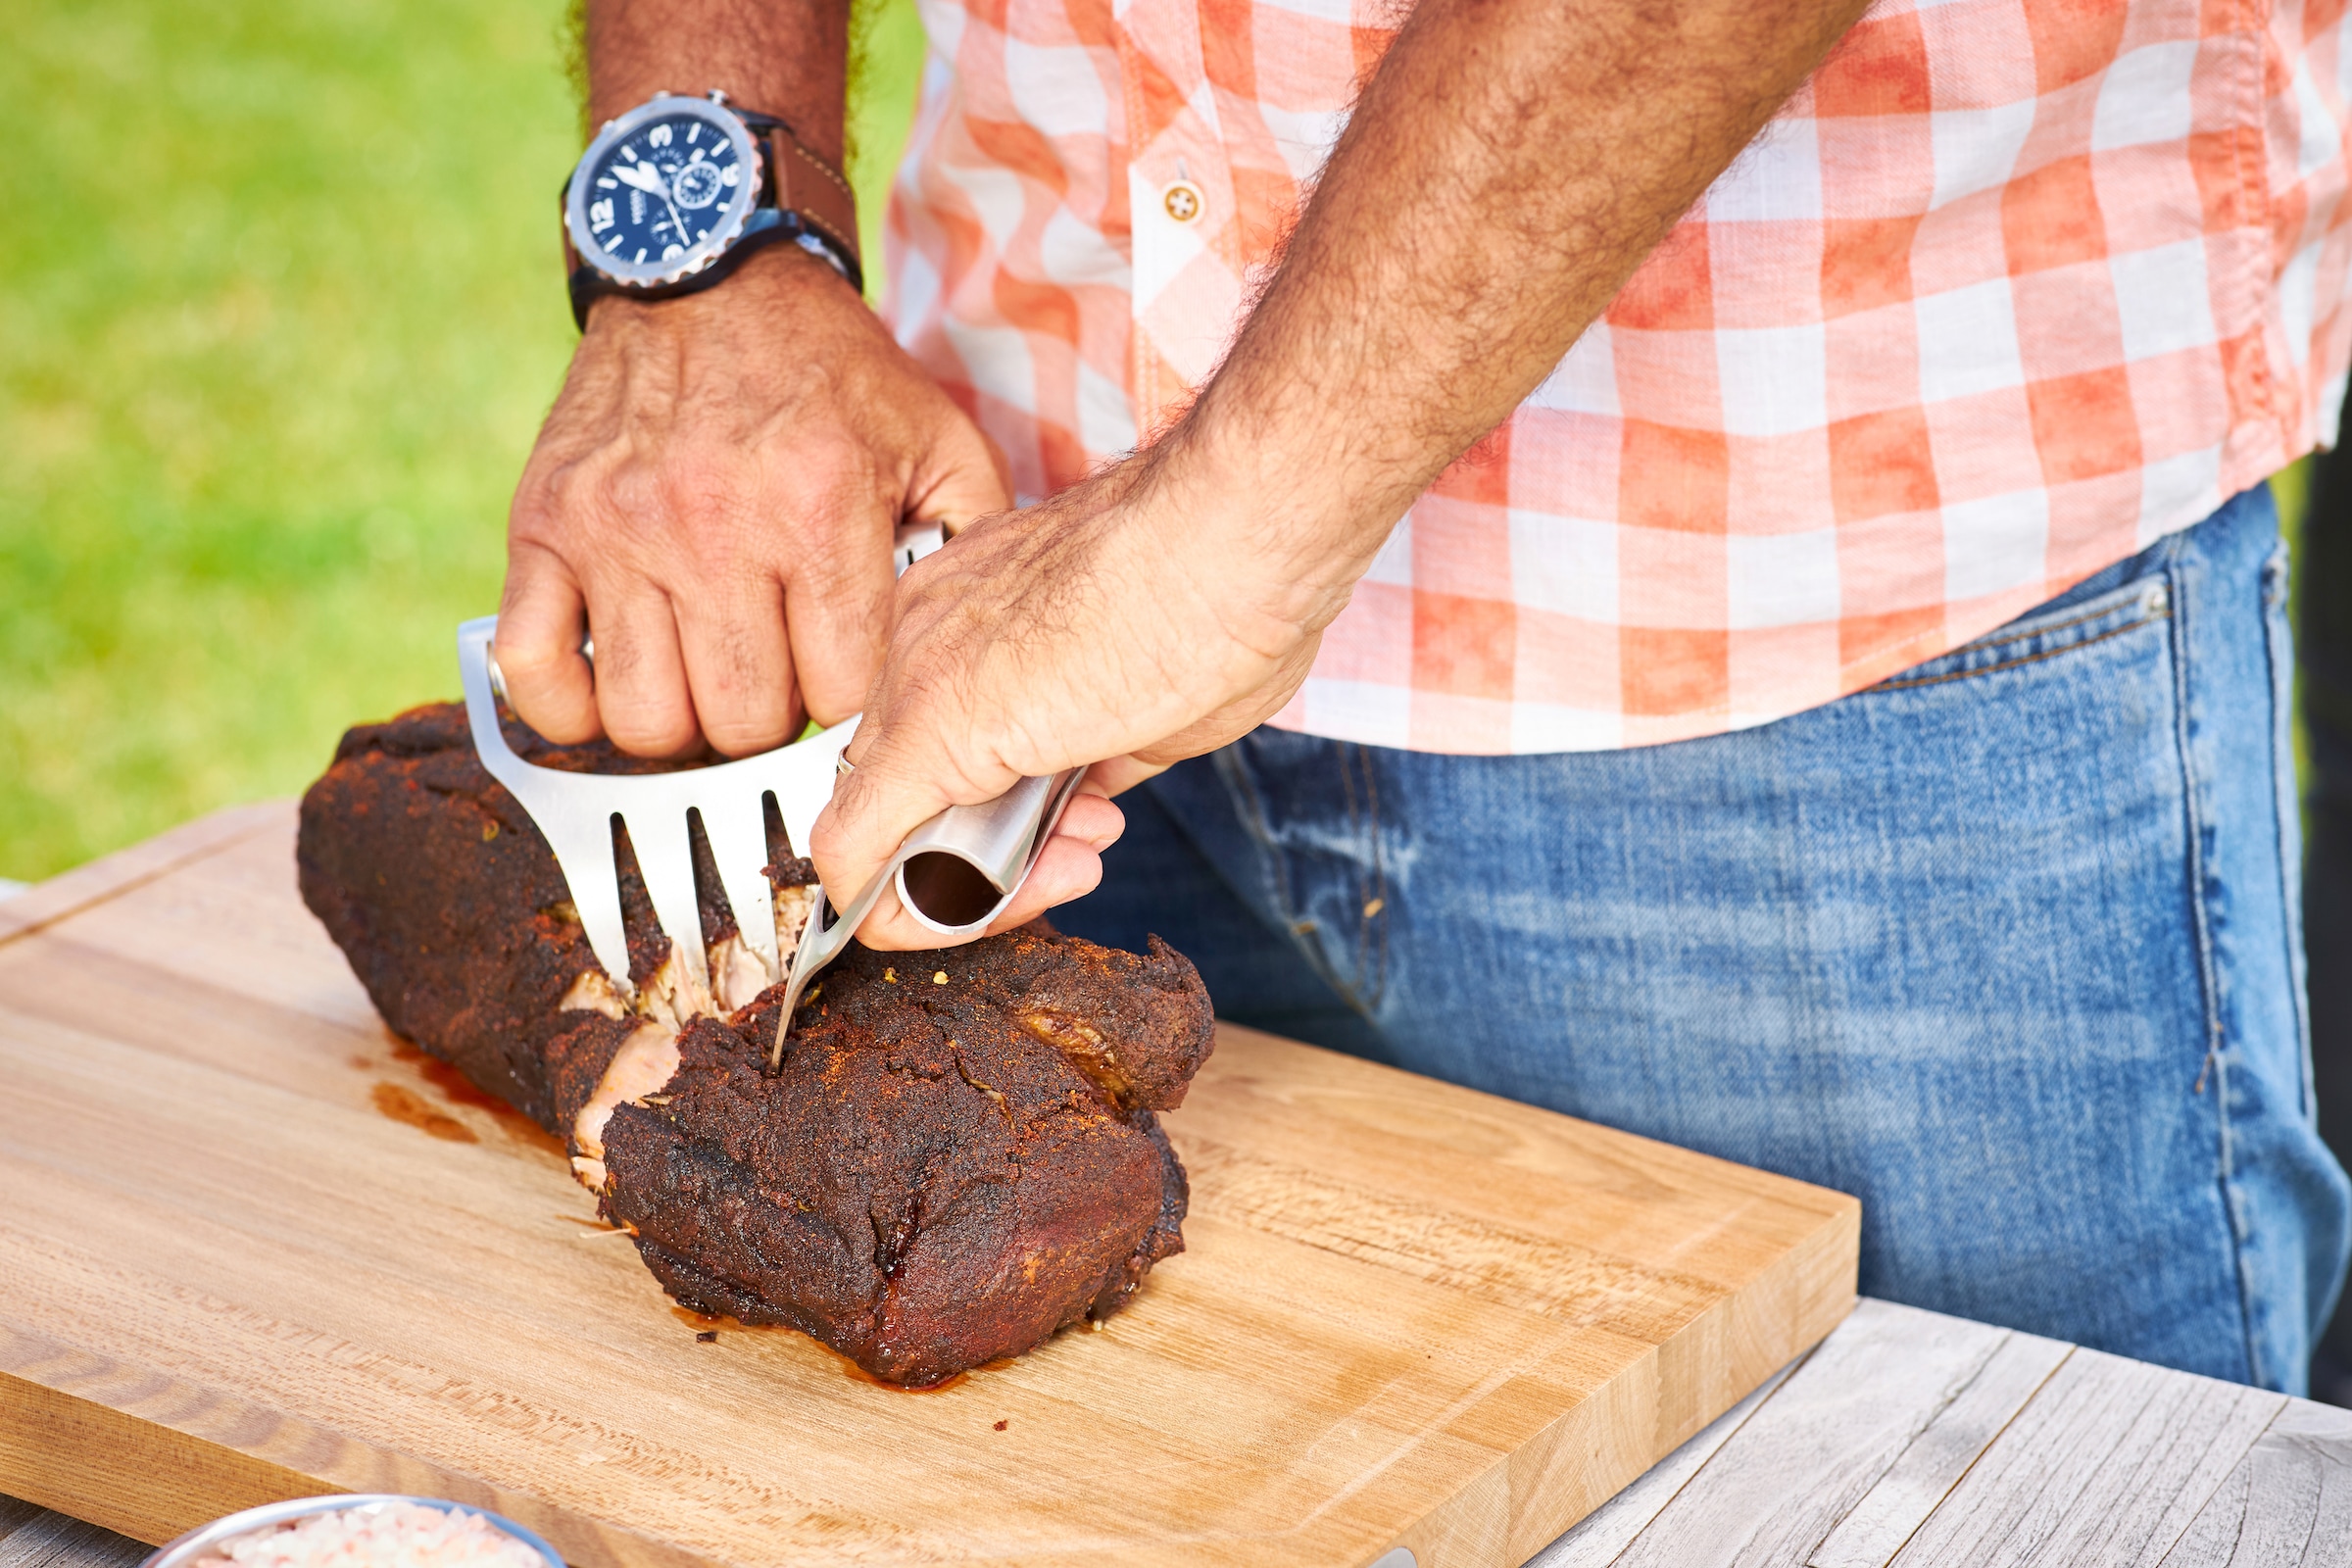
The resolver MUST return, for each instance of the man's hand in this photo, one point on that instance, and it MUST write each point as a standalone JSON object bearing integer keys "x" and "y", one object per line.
{"x": 714, "y": 498}
{"x": 1119, "y": 614}
{"x": 1509, "y": 165}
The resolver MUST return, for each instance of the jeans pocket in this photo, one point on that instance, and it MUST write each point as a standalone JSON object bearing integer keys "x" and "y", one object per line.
{"x": 2043, "y": 634}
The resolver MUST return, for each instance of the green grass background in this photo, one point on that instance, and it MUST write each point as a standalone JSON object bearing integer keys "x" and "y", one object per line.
{"x": 280, "y": 309}
{"x": 279, "y": 312}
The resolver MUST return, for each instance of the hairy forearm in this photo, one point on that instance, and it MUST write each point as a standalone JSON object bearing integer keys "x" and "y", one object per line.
{"x": 1509, "y": 165}
{"x": 787, "y": 58}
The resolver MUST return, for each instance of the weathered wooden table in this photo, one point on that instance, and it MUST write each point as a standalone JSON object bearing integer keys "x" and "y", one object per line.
{"x": 1905, "y": 1438}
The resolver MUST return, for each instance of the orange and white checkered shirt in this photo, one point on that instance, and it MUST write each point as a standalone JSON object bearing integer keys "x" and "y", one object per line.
{"x": 2008, "y": 290}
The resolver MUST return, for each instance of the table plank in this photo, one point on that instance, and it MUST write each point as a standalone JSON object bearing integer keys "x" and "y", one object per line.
{"x": 15, "y": 1511}
{"x": 2108, "y": 1466}
{"x": 1814, "y": 1450}
{"x": 2289, "y": 1503}
{"x": 1917, "y": 1483}
{"x": 32, "y": 1537}
{"x": 2044, "y": 1454}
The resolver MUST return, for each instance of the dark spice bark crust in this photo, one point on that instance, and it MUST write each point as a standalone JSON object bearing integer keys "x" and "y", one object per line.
{"x": 959, "y": 1155}
{"x": 979, "y": 1187}
{"x": 437, "y": 887}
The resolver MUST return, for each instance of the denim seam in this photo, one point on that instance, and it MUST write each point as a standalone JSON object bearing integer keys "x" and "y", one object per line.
{"x": 2122, "y": 597}
{"x": 2215, "y": 1061}
{"x": 2278, "y": 644}
{"x": 2029, "y": 659}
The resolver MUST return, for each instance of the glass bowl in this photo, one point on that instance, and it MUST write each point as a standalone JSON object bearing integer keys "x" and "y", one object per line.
{"x": 189, "y": 1547}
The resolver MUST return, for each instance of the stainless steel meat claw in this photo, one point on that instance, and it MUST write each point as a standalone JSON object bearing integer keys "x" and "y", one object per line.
{"x": 574, "y": 813}
{"x": 955, "y": 875}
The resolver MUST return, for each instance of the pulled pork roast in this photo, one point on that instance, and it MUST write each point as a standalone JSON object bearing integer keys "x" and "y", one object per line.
{"x": 957, "y": 1156}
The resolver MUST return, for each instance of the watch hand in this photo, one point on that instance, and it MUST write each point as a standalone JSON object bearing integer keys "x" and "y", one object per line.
{"x": 643, "y": 176}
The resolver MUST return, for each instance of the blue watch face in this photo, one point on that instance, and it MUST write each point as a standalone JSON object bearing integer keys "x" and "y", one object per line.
{"x": 664, "y": 190}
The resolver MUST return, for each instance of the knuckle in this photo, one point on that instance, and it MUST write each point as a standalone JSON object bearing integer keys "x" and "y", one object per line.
{"x": 539, "y": 503}
{"x": 646, "y": 730}
{"x": 635, "y": 493}
{"x": 533, "y": 662}
{"x": 744, "y": 734}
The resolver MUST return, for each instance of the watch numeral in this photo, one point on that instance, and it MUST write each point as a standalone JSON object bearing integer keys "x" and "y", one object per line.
{"x": 599, "y": 216}
{"x": 658, "y": 136}
{"x": 732, "y": 174}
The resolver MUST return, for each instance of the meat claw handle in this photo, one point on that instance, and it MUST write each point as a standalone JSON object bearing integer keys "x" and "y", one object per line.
{"x": 958, "y": 871}
{"x": 955, "y": 875}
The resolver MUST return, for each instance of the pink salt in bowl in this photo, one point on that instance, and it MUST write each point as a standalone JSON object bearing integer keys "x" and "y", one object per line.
{"x": 359, "y": 1531}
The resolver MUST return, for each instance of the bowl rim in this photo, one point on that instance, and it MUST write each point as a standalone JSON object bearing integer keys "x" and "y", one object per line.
{"x": 182, "y": 1549}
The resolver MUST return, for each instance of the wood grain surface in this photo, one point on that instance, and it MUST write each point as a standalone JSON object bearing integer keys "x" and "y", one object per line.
{"x": 36, "y": 1538}
{"x": 31, "y": 1538}
{"x": 253, "y": 1247}
{"x": 1881, "y": 1447}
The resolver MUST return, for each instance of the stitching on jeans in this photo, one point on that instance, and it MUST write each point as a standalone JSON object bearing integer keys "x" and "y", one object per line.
{"x": 2054, "y": 626}
{"x": 2029, "y": 659}
{"x": 2278, "y": 647}
{"x": 2214, "y": 1064}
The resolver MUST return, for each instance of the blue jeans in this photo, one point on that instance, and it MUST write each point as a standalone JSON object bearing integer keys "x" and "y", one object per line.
{"x": 2007, "y": 946}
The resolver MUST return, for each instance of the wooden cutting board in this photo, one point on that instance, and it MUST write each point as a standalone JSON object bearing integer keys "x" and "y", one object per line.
{"x": 251, "y": 1248}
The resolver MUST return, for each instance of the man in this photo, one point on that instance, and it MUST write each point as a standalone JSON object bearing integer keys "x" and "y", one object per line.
{"x": 1800, "y": 675}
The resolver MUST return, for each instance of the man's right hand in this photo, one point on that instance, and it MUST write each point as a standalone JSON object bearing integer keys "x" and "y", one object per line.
{"x": 714, "y": 496}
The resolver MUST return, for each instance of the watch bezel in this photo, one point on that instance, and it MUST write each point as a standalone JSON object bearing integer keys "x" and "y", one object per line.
{"x": 736, "y": 217}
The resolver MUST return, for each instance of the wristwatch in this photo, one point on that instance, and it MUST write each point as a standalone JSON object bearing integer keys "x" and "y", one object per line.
{"x": 674, "y": 194}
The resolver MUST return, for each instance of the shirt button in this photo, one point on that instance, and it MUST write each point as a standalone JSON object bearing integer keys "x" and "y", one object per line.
{"x": 1182, "y": 201}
